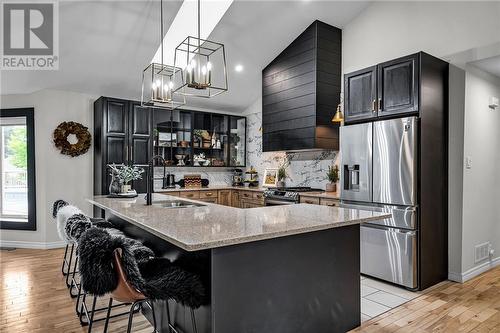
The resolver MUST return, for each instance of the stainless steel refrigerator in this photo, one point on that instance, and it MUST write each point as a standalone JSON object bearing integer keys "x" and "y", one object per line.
{"x": 379, "y": 168}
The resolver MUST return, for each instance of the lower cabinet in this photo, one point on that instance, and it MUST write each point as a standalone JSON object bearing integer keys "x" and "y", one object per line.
{"x": 319, "y": 201}
{"x": 227, "y": 197}
{"x": 235, "y": 199}
{"x": 309, "y": 200}
{"x": 224, "y": 197}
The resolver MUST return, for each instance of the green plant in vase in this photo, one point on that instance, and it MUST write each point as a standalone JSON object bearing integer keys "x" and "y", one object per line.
{"x": 282, "y": 175}
{"x": 333, "y": 177}
{"x": 127, "y": 174}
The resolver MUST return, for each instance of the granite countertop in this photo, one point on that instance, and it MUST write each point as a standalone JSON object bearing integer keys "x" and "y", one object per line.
{"x": 326, "y": 195}
{"x": 213, "y": 225}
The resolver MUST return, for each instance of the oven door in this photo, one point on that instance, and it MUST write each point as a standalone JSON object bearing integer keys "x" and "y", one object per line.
{"x": 277, "y": 202}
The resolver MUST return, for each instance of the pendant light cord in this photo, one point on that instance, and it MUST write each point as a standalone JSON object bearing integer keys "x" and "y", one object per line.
{"x": 199, "y": 25}
{"x": 161, "y": 30}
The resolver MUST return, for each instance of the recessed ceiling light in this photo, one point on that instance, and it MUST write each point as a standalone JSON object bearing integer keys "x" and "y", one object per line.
{"x": 238, "y": 68}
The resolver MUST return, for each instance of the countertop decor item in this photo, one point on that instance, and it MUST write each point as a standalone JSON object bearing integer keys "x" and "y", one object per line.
{"x": 205, "y": 73}
{"x": 333, "y": 177}
{"x": 158, "y": 80}
{"x": 270, "y": 178}
{"x": 126, "y": 174}
{"x": 82, "y": 134}
{"x": 192, "y": 180}
{"x": 281, "y": 176}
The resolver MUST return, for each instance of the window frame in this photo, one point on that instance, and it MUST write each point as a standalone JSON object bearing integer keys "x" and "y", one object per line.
{"x": 31, "y": 176}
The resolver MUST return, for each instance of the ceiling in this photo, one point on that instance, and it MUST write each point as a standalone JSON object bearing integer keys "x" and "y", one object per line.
{"x": 490, "y": 65}
{"x": 105, "y": 55}
{"x": 103, "y": 48}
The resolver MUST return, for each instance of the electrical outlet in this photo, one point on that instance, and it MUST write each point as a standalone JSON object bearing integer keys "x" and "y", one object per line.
{"x": 482, "y": 252}
{"x": 468, "y": 162}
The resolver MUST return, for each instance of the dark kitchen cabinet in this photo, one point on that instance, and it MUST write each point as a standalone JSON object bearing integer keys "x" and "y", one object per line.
{"x": 301, "y": 91}
{"x": 386, "y": 90}
{"x": 360, "y": 101}
{"x": 398, "y": 86}
{"x": 199, "y": 139}
{"x": 122, "y": 135}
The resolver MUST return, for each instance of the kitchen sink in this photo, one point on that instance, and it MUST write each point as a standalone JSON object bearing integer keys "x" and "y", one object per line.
{"x": 177, "y": 204}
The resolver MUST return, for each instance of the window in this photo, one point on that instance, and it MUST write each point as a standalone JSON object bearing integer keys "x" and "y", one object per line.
{"x": 17, "y": 169}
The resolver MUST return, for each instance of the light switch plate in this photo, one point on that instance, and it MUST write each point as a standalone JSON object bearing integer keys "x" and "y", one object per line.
{"x": 468, "y": 162}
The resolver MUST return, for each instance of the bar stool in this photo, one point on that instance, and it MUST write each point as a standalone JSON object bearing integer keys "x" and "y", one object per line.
{"x": 118, "y": 267}
{"x": 97, "y": 278}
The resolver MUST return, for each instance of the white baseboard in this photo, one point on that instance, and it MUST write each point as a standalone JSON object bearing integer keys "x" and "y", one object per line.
{"x": 33, "y": 245}
{"x": 473, "y": 272}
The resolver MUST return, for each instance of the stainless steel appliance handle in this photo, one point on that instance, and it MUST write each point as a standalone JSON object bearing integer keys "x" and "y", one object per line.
{"x": 385, "y": 228}
{"x": 278, "y": 202}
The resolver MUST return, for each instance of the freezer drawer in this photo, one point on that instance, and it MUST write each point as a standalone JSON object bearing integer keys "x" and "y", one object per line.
{"x": 356, "y": 169}
{"x": 402, "y": 216}
{"x": 389, "y": 254}
{"x": 395, "y": 161}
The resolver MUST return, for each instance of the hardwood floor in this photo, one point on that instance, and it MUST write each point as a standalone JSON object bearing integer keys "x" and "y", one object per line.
{"x": 34, "y": 298}
{"x": 473, "y": 306}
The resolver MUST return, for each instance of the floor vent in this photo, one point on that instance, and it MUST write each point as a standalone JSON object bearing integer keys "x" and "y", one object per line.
{"x": 481, "y": 252}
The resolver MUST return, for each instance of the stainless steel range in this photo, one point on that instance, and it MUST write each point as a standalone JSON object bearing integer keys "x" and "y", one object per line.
{"x": 285, "y": 196}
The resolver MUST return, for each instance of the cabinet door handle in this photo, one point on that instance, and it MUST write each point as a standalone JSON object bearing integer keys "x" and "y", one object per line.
{"x": 380, "y": 104}
{"x": 131, "y": 155}
{"x": 374, "y": 106}
{"x": 309, "y": 201}
{"x": 189, "y": 195}
{"x": 209, "y": 194}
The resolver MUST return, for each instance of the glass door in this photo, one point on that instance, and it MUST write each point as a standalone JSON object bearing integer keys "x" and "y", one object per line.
{"x": 237, "y": 141}
{"x": 17, "y": 172}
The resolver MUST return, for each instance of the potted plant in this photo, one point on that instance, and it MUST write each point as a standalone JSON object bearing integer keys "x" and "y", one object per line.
{"x": 333, "y": 177}
{"x": 281, "y": 176}
{"x": 126, "y": 174}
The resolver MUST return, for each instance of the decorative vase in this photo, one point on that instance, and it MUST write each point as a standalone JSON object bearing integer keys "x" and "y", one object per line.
{"x": 126, "y": 188}
{"x": 280, "y": 184}
{"x": 115, "y": 186}
{"x": 331, "y": 187}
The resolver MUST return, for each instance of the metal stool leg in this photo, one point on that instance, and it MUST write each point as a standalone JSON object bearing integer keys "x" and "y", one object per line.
{"x": 91, "y": 319}
{"x": 65, "y": 261}
{"x": 193, "y": 321}
{"x": 154, "y": 316}
{"x": 73, "y": 283}
{"x": 131, "y": 315}
{"x": 106, "y": 323}
{"x": 69, "y": 265}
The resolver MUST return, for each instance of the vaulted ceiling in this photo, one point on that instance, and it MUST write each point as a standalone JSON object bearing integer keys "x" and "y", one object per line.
{"x": 105, "y": 45}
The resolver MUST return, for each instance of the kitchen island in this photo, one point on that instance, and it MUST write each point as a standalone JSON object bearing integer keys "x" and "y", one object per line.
{"x": 291, "y": 268}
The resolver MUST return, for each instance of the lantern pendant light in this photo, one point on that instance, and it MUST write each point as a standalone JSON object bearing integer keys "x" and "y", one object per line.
{"x": 158, "y": 81}
{"x": 204, "y": 66}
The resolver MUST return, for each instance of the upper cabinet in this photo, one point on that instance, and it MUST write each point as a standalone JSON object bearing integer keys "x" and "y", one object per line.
{"x": 199, "y": 139}
{"x": 301, "y": 91}
{"x": 387, "y": 89}
{"x": 360, "y": 101}
{"x": 121, "y": 136}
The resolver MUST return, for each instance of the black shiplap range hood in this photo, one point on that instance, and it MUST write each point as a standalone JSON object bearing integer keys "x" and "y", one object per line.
{"x": 301, "y": 91}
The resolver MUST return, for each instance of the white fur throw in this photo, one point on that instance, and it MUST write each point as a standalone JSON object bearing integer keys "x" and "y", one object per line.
{"x": 63, "y": 214}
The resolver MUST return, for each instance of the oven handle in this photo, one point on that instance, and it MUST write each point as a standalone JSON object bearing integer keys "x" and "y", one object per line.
{"x": 269, "y": 202}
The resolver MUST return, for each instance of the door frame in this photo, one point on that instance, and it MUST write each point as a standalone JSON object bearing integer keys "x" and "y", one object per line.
{"x": 31, "y": 177}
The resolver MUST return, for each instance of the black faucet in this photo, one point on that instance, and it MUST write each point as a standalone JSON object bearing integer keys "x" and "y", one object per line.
{"x": 150, "y": 187}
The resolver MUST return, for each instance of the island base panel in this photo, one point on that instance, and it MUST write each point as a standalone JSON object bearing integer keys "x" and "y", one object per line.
{"x": 302, "y": 283}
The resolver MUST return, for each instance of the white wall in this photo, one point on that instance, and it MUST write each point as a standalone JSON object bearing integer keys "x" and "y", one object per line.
{"x": 390, "y": 29}
{"x": 481, "y": 193}
{"x": 387, "y": 30}
{"x": 57, "y": 176}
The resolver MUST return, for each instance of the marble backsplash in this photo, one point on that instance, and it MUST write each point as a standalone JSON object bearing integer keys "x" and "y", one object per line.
{"x": 303, "y": 168}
